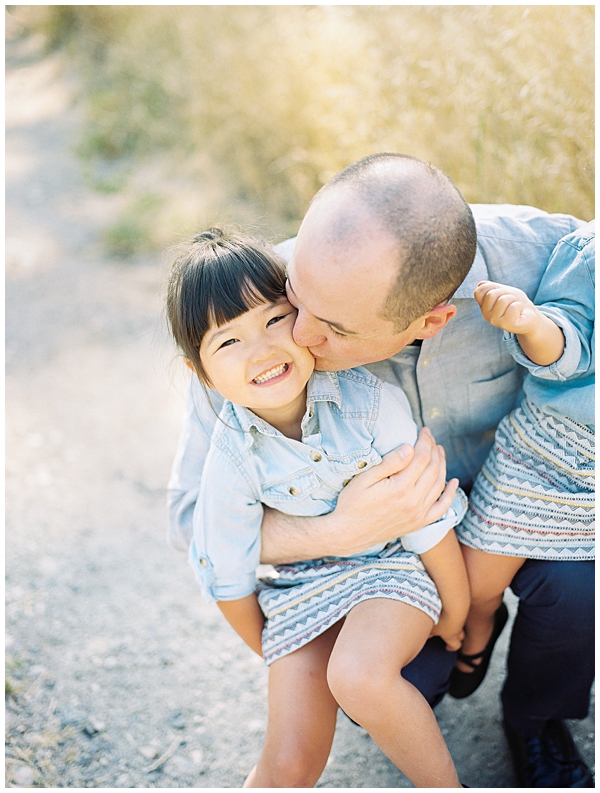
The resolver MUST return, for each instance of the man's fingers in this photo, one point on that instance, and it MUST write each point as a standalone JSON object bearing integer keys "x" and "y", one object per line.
{"x": 424, "y": 449}
{"x": 391, "y": 463}
{"x": 397, "y": 461}
{"x": 442, "y": 505}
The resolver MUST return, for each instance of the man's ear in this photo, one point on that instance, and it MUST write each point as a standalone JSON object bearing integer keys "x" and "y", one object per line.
{"x": 435, "y": 320}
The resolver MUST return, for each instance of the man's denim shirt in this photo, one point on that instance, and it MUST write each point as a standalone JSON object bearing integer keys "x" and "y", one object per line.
{"x": 460, "y": 383}
{"x": 352, "y": 420}
{"x": 566, "y": 294}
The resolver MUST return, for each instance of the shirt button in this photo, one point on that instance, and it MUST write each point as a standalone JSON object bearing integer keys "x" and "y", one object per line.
{"x": 425, "y": 362}
{"x": 311, "y": 412}
{"x": 434, "y": 413}
{"x": 203, "y": 562}
{"x": 316, "y": 457}
{"x": 345, "y": 482}
{"x": 293, "y": 491}
{"x": 362, "y": 464}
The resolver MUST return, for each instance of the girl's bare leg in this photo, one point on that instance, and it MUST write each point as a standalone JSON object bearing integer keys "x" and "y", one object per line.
{"x": 378, "y": 638}
{"x": 302, "y": 714}
{"x": 489, "y": 575}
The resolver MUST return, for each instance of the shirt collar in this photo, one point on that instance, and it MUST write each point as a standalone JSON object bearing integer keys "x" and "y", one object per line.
{"x": 322, "y": 387}
{"x": 249, "y": 421}
{"x": 477, "y": 273}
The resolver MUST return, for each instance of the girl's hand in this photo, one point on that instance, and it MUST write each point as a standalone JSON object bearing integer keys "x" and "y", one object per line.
{"x": 450, "y": 631}
{"x": 507, "y": 307}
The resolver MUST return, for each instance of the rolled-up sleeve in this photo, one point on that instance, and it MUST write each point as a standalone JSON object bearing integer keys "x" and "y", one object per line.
{"x": 225, "y": 548}
{"x": 567, "y": 364}
{"x": 200, "y": 415}
{"x": 566, "y": 296}
{"x": 429, "y": 536}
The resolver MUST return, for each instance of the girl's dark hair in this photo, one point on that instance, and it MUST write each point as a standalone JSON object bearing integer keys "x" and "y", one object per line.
{"x": 217, "y": 277}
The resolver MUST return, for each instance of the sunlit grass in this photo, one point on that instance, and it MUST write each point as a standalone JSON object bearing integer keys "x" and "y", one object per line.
{"x": 275, "y": 99}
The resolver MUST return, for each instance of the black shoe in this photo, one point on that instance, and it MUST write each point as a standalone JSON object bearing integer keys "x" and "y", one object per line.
{"x": 552, "y": 760}
{"x": 462, "y": 684}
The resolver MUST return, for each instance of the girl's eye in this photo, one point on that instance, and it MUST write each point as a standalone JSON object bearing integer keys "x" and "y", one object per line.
{"x": 228, "y": 343}
{"x": 276, "y": 319}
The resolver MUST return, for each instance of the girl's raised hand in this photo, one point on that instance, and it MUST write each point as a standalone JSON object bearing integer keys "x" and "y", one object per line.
{"x": 506, "y": 307}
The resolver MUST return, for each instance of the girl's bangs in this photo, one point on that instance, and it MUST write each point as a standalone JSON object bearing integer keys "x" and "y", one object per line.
{"x": 234, "y": 291}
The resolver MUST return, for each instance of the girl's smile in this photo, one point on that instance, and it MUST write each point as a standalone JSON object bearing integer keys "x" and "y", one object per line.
{"x": 273, "y": 375}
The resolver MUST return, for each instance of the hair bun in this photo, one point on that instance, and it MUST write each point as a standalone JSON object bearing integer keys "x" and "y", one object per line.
{"x": 211, "y": 234}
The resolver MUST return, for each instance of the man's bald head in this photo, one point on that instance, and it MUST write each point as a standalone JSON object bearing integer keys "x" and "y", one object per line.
{"x": 423, "y": 211}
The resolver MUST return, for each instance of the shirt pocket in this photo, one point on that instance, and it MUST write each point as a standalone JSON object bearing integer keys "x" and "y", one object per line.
{"x": 354, "y": 463}
{"x": 293, "y": 488}
{"x": 491, "y": 400}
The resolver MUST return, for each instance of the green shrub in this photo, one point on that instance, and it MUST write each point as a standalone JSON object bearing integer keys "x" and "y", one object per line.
{"x": 279, "y": 98}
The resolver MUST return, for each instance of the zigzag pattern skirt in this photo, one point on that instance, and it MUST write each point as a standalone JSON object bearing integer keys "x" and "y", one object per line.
{"x": 534, "y": 496}
{"x": 307, "y": 598}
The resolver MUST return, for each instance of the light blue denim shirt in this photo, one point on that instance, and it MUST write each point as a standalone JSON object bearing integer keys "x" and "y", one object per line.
{"x": 566, "y": 295}
{"x": 352, "y": 419}
{"x": 460, "y": 383}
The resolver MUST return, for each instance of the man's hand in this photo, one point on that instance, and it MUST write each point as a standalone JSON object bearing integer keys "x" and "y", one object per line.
{"x": 405, "y": 492}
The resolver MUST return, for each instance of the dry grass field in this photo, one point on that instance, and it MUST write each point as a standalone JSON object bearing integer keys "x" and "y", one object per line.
{"x": 242, "y": 112}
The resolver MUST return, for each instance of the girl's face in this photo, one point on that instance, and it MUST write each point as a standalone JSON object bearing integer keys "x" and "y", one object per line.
{"x": 254, "y": 361}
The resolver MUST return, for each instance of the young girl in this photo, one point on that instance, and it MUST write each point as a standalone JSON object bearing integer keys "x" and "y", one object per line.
{"x": 534, "y": 497}
{"x": 335, "y": 631}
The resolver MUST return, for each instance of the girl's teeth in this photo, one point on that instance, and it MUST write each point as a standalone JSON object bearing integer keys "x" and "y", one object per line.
{"x": 271, "y": 374}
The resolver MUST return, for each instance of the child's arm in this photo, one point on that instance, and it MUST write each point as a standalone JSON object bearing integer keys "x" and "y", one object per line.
{"x": 510, "y": 309}
{"x": 445, "y": 565}
{"x": 246, "y": 619}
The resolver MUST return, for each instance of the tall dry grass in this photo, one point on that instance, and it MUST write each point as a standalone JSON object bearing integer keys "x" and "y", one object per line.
{"x": 279, "y": 98}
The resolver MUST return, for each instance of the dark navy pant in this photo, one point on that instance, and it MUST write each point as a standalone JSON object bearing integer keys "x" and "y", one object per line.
{"x": 550, "y": 665}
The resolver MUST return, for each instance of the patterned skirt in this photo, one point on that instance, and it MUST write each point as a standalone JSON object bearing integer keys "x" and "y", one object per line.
{"x": 307, "y": 598}
{"x": 534, "y": 496}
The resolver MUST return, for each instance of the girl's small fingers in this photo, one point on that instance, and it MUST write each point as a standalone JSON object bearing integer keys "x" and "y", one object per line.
{"x": 513, "y": 314}
{"x": 483, "y": 294}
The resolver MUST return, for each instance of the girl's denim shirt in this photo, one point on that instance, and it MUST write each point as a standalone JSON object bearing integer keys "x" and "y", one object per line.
{"x": 352, "y": 420}
{"x": 566, "y": 295}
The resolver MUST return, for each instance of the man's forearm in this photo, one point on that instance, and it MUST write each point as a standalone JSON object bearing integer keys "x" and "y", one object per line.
{"x": 398, "y": 496}
{"x": 289, "y": 538}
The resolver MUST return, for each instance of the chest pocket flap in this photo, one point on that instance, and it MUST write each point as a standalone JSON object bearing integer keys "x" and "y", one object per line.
{"x": 292, "y": 488}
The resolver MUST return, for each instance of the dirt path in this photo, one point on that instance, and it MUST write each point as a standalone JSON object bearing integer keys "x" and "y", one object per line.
{"x": 119, "y": 675}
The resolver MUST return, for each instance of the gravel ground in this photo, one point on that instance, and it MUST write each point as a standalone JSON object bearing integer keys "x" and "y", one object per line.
{"x": 118, "y": 674}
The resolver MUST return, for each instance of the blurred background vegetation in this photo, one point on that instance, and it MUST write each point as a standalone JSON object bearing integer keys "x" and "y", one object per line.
{"x": 240, "y": 113}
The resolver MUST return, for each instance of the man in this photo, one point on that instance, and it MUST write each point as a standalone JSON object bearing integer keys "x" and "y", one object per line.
{"x": 383, "y": 248}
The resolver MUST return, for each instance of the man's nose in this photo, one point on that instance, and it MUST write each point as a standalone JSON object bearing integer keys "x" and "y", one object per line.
{"x": 307, "y": 330}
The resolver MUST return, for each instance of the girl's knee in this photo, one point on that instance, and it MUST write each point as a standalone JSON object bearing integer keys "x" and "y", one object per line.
{"x": 355, "y": 680}
{"x": 290, "y": 767}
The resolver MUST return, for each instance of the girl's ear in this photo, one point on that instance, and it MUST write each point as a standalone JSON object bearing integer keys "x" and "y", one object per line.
{"x": 190, "y": 366}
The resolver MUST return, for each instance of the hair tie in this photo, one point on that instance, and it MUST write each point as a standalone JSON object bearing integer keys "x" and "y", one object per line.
{"x": 211, "y": 234}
